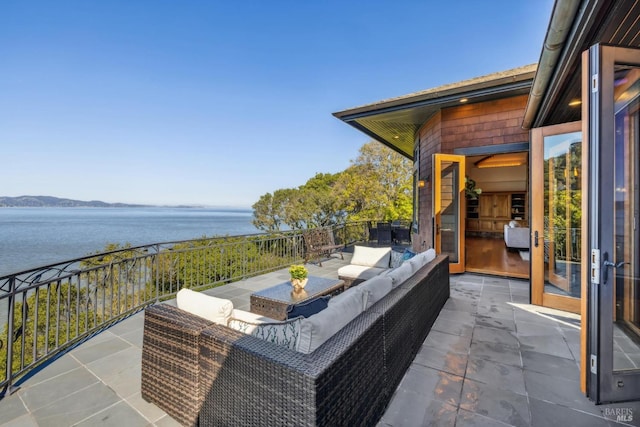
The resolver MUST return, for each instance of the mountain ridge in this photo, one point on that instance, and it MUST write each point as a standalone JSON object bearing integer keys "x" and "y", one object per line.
{"x": 57, "y": 202}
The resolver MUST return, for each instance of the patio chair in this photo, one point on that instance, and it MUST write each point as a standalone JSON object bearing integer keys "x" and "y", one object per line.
{"x": 384, "y": 233}
{"x": 319, "y": 243}
{"x": 373, "y": 232}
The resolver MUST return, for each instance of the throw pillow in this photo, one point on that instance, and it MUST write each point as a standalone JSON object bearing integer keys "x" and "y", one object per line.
{"x": 396, "y": 259}
{"x": 286, "y": 334}
{"x": 217, "y": 310}
{"x": 408, "y": 254}
{"x": 308, "y": 308}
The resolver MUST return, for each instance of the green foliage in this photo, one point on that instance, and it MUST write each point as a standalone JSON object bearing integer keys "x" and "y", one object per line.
{"x": 298, "y": 272}
{"x": 219, "y": 260}
{"x": 563, "y": 200}
{"x": 63, "y": 312}
{"x": 377, "y": 185}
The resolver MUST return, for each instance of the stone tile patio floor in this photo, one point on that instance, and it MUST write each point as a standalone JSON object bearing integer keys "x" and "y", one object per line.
{"x": 491, "y": 359}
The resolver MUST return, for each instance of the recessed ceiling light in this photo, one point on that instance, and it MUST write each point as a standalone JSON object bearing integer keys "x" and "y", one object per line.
{"x": 463, "y": 100}
{"x": 575, "y": 102}
{"x": 396, "y": 137}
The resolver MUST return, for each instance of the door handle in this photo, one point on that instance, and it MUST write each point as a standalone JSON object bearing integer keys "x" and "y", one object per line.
{"x": 614, "y": 265}
{"x": 606, "y": 263}
{"x": 536, "y": 239}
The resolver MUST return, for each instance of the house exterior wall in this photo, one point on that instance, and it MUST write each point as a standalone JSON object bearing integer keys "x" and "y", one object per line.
{"x": 492, "y": 123}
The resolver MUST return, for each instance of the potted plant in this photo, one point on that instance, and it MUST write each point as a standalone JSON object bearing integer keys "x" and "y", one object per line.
{"x": 299, "y": 276}
{"x": 470, "y": 188}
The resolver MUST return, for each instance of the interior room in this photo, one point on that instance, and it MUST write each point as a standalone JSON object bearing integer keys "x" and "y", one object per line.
{"x": 497, "y": 214}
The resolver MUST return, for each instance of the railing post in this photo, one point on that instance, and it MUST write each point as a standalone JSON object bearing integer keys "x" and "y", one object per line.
{"x": 156, "y": 262}
{"x": 244, "y": 258}
{"x": 12, "y": 299}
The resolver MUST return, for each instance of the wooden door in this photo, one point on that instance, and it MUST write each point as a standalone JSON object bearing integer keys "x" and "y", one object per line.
{"x": 449, "y": 208}
{"x": 556, "y": 212}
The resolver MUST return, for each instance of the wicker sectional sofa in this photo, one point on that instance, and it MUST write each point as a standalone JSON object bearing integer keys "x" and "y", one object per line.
{"x": 203, "y": 373}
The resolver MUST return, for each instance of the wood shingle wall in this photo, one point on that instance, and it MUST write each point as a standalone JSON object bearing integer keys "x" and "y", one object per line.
{"x": 473, "y": 125}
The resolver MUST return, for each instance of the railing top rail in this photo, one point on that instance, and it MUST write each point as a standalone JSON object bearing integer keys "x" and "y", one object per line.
{"x": 63, "y": 265}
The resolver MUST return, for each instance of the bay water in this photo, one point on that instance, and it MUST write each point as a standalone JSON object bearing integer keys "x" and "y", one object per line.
{"x": 33, "y": 237}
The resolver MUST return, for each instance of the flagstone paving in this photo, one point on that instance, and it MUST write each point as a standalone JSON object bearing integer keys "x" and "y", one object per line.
{"x": 491, "y": 359}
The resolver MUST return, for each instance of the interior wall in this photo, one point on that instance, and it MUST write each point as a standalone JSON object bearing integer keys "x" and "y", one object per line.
{"x": 509, "y": 178}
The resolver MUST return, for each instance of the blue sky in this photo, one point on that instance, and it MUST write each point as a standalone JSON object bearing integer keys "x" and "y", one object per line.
{"x": 219, "y": 102}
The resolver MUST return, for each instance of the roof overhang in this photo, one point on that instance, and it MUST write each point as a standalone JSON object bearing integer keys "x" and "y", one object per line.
{"x": 395, "y": 122}
{"x": 575, "y": 26}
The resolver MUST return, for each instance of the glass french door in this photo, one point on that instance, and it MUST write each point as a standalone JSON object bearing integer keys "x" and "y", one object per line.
{"x": 556, "y": 216}
{"x": 449, "y": 204}
{"x": 614, "y": 303}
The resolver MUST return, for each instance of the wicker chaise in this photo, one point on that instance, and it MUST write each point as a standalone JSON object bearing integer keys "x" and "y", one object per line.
{"x": 243, "y": 380}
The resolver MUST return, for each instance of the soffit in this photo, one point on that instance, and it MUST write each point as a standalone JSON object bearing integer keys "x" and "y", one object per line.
{"x": 616, "y": 23}
{"x": 395, "y": 122}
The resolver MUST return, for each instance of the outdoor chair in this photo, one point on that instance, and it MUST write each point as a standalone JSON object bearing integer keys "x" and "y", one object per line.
{"x": 384, "y": 233}
{"x": 373, "y": 232}
{"x": 320, "y": 243}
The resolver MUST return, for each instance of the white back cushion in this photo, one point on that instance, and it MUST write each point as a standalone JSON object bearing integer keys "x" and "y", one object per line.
{"x": 376, "y": 289}
{"x": 316, "y": 329}
{"x": 352, "y": 294}
{"x": 400, "y": 274}
{"x": 371, "y": 257}
{"x": 217, "y": 310}
{"x": 430, "y": 255}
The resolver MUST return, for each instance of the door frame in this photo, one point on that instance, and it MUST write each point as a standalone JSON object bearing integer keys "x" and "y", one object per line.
{"x": 438, "y": 159}
{"x": 604, "y": 383}
{"x": 537, "y": 273}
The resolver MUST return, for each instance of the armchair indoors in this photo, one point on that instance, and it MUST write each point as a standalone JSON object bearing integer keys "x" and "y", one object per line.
{"x": 516, "y": 237}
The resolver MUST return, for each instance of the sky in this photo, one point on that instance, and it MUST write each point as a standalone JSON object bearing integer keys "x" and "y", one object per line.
{"x": 216, "y": 103}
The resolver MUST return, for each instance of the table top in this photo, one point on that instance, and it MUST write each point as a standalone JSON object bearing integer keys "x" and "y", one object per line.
{"x": 284, "y": 292}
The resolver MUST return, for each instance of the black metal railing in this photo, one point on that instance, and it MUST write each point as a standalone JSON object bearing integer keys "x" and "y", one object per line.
{"x": 46, "y": 310}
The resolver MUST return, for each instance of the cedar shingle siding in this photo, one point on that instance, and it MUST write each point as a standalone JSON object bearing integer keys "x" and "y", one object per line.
{"x": 474, "y": 125}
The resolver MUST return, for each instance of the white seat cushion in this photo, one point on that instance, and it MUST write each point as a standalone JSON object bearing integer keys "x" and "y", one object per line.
{"x": 217, "y": 310}
{"x": 315, "y": 330}
{"x": 371, "y": 257}
{"x": 247, "y": 316}
{"x": 359, "y": 271}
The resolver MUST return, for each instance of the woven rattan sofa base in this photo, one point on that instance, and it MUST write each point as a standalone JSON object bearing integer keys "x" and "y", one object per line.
{"x": 349, "y": 380}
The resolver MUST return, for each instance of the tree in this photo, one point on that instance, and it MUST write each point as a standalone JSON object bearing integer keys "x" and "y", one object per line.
{"x": 270, "y": 211}
{"x": 377, "y": 185}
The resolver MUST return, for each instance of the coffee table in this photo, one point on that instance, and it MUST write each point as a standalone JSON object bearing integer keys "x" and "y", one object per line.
{"x": 274, "y": 301}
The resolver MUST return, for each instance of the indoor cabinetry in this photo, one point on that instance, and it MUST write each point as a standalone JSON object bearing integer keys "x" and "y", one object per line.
{"x": 491, "y": 211}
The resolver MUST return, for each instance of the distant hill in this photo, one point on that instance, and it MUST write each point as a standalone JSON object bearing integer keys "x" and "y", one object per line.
{"x": 55, "y": 202}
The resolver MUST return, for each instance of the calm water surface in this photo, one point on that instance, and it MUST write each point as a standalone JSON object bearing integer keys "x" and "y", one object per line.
{"x": 31, "y": 237}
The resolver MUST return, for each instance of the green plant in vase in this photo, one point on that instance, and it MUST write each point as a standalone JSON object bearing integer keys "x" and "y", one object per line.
{"x": 470, "y": 188}
{"x": 299, "y": 276}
